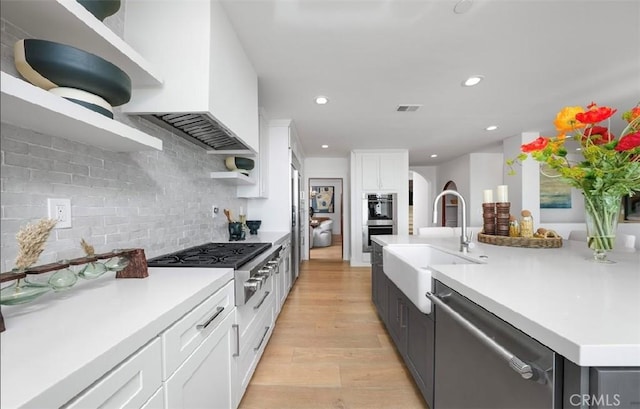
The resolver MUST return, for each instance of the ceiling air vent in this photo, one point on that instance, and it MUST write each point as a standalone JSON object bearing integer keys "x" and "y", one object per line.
{"x": 408, "y": 107}
{"x": 200, "y": 129}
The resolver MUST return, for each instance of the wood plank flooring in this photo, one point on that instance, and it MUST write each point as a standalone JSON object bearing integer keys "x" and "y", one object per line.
{"x": 329, "y": 349}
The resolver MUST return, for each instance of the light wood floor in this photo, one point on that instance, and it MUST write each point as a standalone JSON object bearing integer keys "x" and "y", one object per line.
{"x": 330, "y": 350}
{"x": 333, "y": 252}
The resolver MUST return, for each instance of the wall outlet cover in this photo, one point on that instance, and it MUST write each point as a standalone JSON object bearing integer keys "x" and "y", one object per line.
{"x": 60, "y": 210}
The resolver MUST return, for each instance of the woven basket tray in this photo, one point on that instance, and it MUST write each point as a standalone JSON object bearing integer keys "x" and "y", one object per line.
{"x": 533, "y": 242}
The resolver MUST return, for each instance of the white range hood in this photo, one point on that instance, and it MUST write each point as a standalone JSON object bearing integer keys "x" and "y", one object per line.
{"x": 210, "y": 92}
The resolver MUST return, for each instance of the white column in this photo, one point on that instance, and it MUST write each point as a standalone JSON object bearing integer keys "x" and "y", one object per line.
{"x": 524, "y": 186}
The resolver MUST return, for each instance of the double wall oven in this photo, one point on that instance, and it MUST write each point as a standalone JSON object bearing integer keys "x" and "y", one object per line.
{"x": 379, "y": 216}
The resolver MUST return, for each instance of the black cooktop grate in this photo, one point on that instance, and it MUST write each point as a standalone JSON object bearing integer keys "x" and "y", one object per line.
{"x": 219, "y": 255}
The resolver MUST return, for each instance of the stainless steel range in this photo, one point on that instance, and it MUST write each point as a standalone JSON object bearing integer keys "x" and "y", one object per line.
{"x": 252, "y": 263}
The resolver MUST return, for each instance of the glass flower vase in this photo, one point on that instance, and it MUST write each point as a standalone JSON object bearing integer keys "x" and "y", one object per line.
{"x": 601, "y": 216}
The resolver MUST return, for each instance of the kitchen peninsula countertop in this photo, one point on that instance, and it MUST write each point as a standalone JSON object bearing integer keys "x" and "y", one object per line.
{"x": 57, "y": 345}
{"x": 586, "y": 311}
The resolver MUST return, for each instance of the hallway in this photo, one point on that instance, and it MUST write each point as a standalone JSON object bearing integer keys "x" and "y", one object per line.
{"x": 329, "y": 349}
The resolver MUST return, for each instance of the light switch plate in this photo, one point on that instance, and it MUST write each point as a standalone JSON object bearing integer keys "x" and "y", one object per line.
{"x": 60, "y": 210}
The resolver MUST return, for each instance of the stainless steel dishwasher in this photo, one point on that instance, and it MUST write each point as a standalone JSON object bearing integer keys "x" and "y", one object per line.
{"x": 483, "y": 362}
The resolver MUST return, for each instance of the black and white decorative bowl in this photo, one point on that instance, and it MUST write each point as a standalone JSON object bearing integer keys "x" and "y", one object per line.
{"x": 101, "y": 9}
{"x": 74, "y": 74}
{"x": 239, "y": 164}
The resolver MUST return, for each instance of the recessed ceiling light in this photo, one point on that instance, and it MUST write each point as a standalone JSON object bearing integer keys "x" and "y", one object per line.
{"x": 321, "y": 100}
{"x": 472, "y": 80}
{"x": 578, "y": 149}
{"x": 491, "y": 128}
{"x": 325, "y": 146}
{"x": 434, "y": 156}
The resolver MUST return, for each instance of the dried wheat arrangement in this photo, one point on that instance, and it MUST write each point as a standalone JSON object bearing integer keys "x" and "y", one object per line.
{"x": 31, "y": 240}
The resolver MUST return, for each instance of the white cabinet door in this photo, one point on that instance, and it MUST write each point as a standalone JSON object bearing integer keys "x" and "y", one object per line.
{"x": 370, "y": 171}
{"x": 390, "y": 172}
{"x": 206, "y": 378}
{"x": 129, "y": 385}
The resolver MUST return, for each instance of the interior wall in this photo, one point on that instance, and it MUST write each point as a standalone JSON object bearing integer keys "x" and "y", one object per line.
{"x": 430, "y": 174}
{"x": 338, "y": 195}
{"x": 422, "y": 195}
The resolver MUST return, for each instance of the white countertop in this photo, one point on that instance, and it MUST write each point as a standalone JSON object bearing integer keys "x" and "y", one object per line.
{"x": 57, "y": 345}
{"x": 274, "y": 237}
{"x": 588, "y": 312}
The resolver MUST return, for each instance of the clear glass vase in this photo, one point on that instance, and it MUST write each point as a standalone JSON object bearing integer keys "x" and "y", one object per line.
{"x": 601, "y": 215}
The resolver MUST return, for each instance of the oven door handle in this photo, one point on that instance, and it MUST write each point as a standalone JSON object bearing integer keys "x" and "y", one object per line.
{"x": 514, "y": 362}
{"x": 266, "y": 294}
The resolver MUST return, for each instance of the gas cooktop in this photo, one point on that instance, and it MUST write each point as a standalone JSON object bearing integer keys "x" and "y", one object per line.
{"x": 219, "y": 255}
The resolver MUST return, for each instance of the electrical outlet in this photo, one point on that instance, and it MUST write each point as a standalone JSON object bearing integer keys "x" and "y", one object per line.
{"x": 60, "y": 210}
{"x": 214, "y": 211}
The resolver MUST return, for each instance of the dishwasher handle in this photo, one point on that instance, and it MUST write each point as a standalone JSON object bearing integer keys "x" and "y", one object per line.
{"x": 525, "y": 370}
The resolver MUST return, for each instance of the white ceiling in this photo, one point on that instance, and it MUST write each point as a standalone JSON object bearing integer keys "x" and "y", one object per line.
{"x": 369, "y": 56}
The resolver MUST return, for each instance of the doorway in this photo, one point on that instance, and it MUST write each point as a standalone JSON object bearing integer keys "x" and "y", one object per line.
{"x": 450, "y": 206}
{"x": 325, "y": 218}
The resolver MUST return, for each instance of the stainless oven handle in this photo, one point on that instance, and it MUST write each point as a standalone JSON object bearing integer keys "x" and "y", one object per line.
{"x": 210, "y": 320}
{"x": 514, "y": 362}
{"x": 237, "y": 328}
{"x": 266, "y": 294}
{"x": 266, "y": 331}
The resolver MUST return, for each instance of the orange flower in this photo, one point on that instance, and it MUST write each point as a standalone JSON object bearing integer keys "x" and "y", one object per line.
{"x": 632, "y": 114}
{"x": 537, "y": 145}
{"x": 595, "y": 114}
{"x": 566, "y": 119}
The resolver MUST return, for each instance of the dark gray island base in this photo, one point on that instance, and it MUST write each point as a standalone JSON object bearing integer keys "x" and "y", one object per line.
{"x": 454, "y": 367}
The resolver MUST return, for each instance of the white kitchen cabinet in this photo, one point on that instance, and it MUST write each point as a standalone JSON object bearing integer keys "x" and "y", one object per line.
{"x": 29, "y": 107}
{"x": 128, "y": 385}
{"x": 382, "y": 171}
{"x": 284, "y": 276}
{"x": 205, "y": 379}
{"x": 198, "y": 365}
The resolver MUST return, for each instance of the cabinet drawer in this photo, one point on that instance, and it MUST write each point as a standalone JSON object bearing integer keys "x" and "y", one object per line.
{"x": 184, "y": 336}
{"x": 129, "y": 385}
{"x": 253, "y": 345}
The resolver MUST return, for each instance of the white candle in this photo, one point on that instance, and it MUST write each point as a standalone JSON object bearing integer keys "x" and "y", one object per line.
{"x": 488, "y": 196}
{"x": 503, "y": 195}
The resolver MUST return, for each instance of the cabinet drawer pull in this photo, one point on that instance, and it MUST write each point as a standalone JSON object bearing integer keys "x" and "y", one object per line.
{"x": 266, "y": 331}
{"x": 237, "y": 328}
{"x": 525, "y": 370}
{"x": 210, "y": 320}
{"x": 266, "y": 294}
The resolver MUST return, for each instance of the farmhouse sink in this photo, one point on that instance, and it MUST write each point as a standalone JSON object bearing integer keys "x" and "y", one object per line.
{"x": 408, "y": 266}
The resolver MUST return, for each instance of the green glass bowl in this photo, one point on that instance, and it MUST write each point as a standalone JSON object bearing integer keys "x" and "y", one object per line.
{"x": 20, "y": 293}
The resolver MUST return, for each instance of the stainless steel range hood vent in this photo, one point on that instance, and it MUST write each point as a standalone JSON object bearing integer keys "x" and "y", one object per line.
{"x": 200, "y": 129}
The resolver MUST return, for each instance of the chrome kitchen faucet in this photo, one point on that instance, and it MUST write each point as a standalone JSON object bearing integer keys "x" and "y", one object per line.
{"x": 464, "y": 239}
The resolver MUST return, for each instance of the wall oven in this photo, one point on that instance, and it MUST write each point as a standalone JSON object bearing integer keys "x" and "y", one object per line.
{"x": 379, "y": 216}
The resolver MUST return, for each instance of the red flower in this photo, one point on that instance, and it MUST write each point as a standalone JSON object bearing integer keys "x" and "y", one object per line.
{"x": 595, "y": 114}
{"x": 628, "y": 142}
{"x": 599, "y": 135}
{"x": 537, "y": 145}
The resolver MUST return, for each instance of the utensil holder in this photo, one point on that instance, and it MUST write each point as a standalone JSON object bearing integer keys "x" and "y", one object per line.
{"x": 502, "y": 218}
{"x": 489, "y": 218}
{"x": 236, "y": 231}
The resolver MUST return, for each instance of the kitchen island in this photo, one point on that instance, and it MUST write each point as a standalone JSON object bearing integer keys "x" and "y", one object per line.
{"x": 587, "y": 313}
